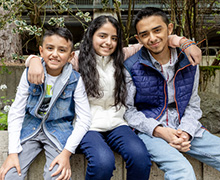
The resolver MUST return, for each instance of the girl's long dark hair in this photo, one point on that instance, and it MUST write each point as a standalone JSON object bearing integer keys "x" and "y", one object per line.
{"x": 87, "y": 62}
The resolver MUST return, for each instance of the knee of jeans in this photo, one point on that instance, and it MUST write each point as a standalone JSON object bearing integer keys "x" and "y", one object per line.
{"x": 185, "y": 167}
{"x": 102, "y": 160}
{"x": 47, "y": 176}
{"x": 139, "y": 156}
{"x": 179, "y": 170}
{"x": 48, "y": 173}
{"x": 12, "y": 174}
{"x": 101, "y": 164}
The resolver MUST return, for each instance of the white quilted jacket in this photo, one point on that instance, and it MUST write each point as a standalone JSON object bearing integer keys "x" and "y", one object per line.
{"x": 104, "y": 115}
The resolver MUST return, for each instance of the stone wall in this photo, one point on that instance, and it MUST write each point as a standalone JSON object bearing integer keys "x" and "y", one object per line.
{"x": 79, "y": 163}
{"x": 10, "y": 75}
{"x": 210, "y": 80}
{"x": 210, "y": 99}
{"x": 210, "y": 105}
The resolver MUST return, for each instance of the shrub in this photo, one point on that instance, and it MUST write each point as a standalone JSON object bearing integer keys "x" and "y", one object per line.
{"x": 5, "y": 106}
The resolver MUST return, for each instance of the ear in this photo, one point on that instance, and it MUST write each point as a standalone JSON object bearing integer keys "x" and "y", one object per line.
{"x": 137, "y": 37}
{"x": 71, "y": 56}
{"x": 170, "y": 28}
{"x": 41, "y": 51}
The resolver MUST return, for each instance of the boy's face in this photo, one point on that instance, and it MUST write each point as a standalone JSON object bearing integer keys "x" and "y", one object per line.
{"x": 153, "y": 34}
{"x": 56, "y": 52}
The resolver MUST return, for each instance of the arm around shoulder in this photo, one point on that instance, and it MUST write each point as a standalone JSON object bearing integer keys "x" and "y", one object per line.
{"x": 192, "y": 51}
{"x": 131, "y": 50}
{"x": 36, "y": 71}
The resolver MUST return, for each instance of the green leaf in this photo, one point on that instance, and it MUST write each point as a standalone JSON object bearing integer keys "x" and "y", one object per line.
{"x": 40, "y": 29}
{"x": 17, "y": 23}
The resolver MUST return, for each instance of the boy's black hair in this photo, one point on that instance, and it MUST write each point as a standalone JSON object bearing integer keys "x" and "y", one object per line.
{"x": 62, "y": 32}
{"x": 150, "y": 11}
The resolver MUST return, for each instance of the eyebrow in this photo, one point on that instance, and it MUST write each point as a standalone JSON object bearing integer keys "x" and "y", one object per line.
{"x": 152, "y": 29}
{"x": 107, "y": 34}
{"x": 65, "y": 47}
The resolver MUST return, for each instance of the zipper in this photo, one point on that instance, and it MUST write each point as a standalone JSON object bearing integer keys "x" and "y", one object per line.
{"x": 41, "y": 100}
{"x": 165, "y": 104}
{"x": 47, "y": 115}
{"x": 175, "y": 89}
{"x": 53, "y": 144}
{"x": 165, "y": 84}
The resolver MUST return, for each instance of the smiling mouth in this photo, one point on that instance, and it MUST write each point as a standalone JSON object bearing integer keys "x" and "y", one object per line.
{"x": 154, "y": 45}
{"x": 106, "y": 48}
{"x": 54, "y": 60}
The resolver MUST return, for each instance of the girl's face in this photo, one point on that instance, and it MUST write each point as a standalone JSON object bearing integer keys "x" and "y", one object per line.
{"x": 105, "y": 39}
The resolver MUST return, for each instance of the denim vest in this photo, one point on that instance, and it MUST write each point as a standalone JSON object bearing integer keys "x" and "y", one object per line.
{"x": 57, "y": 123}
{"x": 151, "y": 87}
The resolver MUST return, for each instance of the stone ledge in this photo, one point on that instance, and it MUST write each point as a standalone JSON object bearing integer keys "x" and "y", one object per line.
{"x": 79, "y": 163}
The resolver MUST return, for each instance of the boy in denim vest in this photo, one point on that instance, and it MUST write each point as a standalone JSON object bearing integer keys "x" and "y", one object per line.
{"x": 41, "y": 116}
{"x": 163, "y": 102}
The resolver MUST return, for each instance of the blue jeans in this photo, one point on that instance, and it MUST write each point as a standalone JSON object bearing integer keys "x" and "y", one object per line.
{"x": 31, "y": 149}
{"x": 175, "y": 166}
{"x": 98, "y": 148}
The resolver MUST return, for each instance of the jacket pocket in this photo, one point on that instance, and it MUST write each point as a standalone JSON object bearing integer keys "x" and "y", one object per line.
{"x": 34, "y": 94}
{"x": 64, "y": 100}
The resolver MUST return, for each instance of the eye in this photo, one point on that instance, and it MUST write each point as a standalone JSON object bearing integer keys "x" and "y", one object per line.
{"x": 102, "y": 36}
{"x": 62, "y": 50}
{"x": 144, "y": 35}
{"x": 158, "y": 30}
{"x": 49, "y": 48}
{"x": 115, "y": 39}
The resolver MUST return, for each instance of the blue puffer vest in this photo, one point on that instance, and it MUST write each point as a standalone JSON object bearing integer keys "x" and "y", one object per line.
{"x": 151, "y": 87}
{"x": 57, "y": 123}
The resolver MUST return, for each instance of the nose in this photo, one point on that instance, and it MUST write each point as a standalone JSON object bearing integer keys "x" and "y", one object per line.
{"x": 54, "y": 53}
{"x": 108, "y": 41}
{"x": 152, "y": 37}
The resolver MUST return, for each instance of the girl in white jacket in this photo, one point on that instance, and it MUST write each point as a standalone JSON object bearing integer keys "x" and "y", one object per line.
{"x": 101, "y": 67}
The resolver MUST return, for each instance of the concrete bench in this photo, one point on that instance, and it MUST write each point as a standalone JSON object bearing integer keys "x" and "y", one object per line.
{"x": 79, "y": 164}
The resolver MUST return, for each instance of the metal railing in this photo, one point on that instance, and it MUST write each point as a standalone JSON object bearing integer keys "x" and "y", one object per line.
{"x": 94, "y": 4}
{"x": 90, "y": 4}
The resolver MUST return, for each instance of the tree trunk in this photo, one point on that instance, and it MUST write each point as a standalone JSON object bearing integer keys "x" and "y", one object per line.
{"x": 10, "y": 43}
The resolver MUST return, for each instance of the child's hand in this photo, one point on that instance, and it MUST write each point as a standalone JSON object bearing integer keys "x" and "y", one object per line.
{"x": 64, "y": 165}
{"x": 36, "y": 71}
{"x": 168, "y": 134}
{"x": 194, "y": 54}
{"x": 185, "y": 145}
{"x": 184, "y": 135}
{"x": 11, "y": 161}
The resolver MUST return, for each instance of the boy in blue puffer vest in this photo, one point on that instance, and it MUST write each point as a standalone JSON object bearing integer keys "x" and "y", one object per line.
{"x": 163, "y": 102}
{"x": 41, "y": 116}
